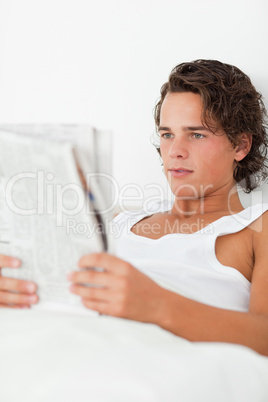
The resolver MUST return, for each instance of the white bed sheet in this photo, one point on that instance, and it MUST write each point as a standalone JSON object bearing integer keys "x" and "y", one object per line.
{"x": 60, "y": 357}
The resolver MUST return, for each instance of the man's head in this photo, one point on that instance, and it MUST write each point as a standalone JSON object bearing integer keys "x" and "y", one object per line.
{"x": 230, "y": 103}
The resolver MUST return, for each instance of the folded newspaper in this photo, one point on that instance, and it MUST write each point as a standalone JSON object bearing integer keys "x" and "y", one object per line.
{"x": 55, "y": 203}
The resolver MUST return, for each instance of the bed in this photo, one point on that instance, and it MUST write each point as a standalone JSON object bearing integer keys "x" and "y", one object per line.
{"x": 58, "y": 356}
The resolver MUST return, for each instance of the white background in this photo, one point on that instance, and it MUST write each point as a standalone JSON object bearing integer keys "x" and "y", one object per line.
{"x": 103, "y": 63}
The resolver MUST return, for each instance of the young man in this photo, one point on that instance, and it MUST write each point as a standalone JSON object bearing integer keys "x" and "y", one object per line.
{"x": 209, "y": 253}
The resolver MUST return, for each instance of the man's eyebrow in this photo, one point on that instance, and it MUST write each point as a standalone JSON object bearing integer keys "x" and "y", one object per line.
{"x": 161, "y": 128}
{"x": 188, "y": 128}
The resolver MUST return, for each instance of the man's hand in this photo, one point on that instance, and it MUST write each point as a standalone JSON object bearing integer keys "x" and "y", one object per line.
{"x": 15, "y": 293}
{"x": 120, "y": 290}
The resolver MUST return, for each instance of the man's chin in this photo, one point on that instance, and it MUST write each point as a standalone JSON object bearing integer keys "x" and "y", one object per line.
{"x": 191, "y": 192}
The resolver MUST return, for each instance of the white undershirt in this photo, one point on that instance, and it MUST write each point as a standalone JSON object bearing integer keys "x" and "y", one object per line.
{"x": 187, "y": 263}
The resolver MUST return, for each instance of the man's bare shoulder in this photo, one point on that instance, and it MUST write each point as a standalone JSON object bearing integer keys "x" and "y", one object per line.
{"x": 260, "y": 230}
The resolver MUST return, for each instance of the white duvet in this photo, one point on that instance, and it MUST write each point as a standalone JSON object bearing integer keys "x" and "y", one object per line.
{"x": 61, "y": 357}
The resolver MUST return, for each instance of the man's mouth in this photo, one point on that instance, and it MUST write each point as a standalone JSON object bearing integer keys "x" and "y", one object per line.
{"x": 180, "y": 172}
{"x": 180, "y": 169}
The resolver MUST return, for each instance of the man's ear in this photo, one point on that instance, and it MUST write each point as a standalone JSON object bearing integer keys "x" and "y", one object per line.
{"x": 243, "y": 147}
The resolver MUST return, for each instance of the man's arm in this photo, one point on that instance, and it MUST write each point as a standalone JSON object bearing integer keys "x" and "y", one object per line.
{"x": 128, "y": 293}
{"x": 199, "y": 322}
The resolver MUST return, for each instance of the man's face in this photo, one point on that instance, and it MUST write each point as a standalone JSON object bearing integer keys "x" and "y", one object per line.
{"x": 196, "y": 161}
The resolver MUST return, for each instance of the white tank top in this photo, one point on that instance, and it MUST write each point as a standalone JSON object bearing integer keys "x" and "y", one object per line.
{"x": 187, "y": 263}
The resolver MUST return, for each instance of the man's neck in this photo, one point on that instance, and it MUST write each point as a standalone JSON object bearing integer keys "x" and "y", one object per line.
{"x": 208, "y": 205}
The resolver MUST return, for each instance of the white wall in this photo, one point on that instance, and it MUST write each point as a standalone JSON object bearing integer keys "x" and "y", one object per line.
{"x": 103, "y": 62}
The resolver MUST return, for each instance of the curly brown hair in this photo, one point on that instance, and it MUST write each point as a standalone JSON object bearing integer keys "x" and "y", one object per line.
{"x": 229, "y": 99}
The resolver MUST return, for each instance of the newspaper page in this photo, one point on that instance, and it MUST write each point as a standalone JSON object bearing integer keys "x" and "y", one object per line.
{"x": 96, "y": 145}
{"x": 94, "y": 148}
{"x": 46, "y": 217}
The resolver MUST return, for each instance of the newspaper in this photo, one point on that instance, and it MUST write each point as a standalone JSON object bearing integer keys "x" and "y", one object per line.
{"x": 48, "y": 219}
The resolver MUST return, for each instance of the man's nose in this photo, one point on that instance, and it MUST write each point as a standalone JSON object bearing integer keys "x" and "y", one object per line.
{"x": 179, "y": 148}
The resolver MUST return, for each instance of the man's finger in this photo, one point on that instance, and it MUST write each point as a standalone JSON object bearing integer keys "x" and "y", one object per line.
{"x": 96, "y": 305}
{"x": 16, "y": 285}
{"x": 107, "y": 261}
{"x": 91, "y": 293}
{"x": 17, "y": 298}
{"x": 91, "y": 277}
{"x": 103, "y": 307}
{"x": 10, "y": 262}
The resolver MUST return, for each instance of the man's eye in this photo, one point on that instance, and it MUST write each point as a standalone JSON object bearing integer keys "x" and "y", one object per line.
{"x": 198, "y": 136}
{"x": 166, "y": 135}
